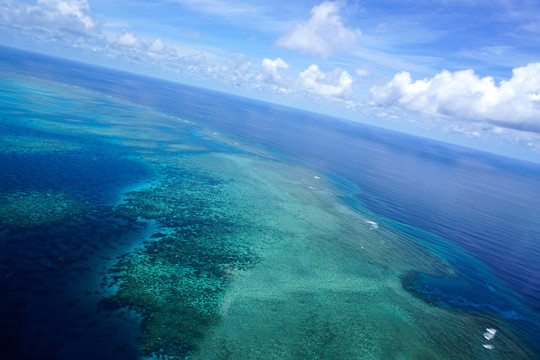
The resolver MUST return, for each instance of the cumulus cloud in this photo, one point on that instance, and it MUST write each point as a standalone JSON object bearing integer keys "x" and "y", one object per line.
{"x": 270, "y": 68}
{"x": 231, "y": 69}
{"x": 334, "y": 84}
{"x": 70, "y": 24}
{"x": 235, "y": 70}
{"x": 77, "y": 10}
{"x": 128, "y": 39}
{"x": 72, "y": 16}
{"x": 463, "y": 94}
{"x": 64, "y": 23}
{"x": 160, "y": 51}
{"x": 322, "y": 34}
{"x": 157, "y": 46}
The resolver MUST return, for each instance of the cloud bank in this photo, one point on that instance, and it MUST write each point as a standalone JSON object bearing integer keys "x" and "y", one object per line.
{"x": 322, "y": 34}
{"x": 463, "y": 94}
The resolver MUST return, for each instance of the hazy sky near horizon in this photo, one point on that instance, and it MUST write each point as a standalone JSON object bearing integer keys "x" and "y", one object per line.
{"x": 465, "y": 68}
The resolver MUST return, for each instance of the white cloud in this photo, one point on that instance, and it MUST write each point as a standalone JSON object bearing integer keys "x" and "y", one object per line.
{"x": 271, "y": 68}
{"x": 322, "y": 34}
{"x": 194, "y": 64}
{"x": 62, "y": 22}
{"x": 334, "y": 84}
{"x": 465, "y": 95}
{"x": 72, "y": 15}
{"x": 235, "y": 70}
{"x": 77, "y": 10}
{"x": 157, "y": 46}
{"x": 128, "y": 39}
{"x": 362, "y": 72}
{"x": 160, "y": 51}
{"x": 232, "y": 69}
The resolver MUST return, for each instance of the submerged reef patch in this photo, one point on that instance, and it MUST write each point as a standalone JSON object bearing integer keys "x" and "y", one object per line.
{"x": 178, "y": 279}
{"x": 30, "y": 145}
{"x": 177, "y": 283}
{"x": 35, "y": 209}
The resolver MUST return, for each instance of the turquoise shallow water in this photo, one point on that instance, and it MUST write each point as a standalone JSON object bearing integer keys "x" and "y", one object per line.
{"x": 131, "y": 231}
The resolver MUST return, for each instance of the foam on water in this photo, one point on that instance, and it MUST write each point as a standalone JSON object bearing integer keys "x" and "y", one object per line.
{"x": 372, "y": 225}
{"x": 490, "y": 333}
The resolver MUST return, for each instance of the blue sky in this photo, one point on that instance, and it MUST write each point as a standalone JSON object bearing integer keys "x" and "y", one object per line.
{"x": 460, "y": 71}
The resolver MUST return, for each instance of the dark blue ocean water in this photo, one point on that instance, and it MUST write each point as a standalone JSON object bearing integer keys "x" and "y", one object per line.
{"x": 485, "y": 204}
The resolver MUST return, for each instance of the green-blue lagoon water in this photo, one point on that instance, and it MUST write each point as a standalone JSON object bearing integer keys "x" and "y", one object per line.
{"x": 184, "y": 224}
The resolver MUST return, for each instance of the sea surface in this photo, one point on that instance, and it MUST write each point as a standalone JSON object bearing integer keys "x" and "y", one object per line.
{"x": 141, "y": 218}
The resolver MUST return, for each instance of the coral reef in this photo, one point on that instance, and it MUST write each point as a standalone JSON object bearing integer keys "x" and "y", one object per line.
{"x": 31, "y": 145}
{"x": 177, "y": 283}
{"x": 178, "y": 279}
{"x": 35, "y": 209}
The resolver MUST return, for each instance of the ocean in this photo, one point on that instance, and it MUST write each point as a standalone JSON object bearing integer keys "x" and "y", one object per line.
{"x": 141, "y": 218}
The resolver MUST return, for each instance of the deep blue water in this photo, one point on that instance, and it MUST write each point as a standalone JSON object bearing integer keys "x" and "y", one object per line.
{"x": 487, "y": 205}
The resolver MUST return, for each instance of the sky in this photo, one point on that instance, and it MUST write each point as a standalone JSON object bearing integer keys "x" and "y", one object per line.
{"x": 463, "y": 71}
